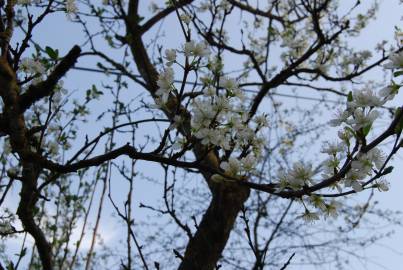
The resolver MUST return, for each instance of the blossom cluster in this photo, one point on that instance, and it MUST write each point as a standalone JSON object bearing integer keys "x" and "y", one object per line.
{"x": 71, "y": 6}
{"x": 219, "y": 119}
{"x": 5, "y": 227}
{"x": 32, "y": 66}
{"x": 33, "y": 71}
{"x": 356, "y": 122}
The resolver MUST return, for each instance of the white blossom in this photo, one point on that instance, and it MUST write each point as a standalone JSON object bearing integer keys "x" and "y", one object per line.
{"x": 244, "y": 136}
{"x": 235, "y": 122}
{"x": 318, "y": 202}
{"x": 388, "y": 92}
{"x": 365, "y": 98}
{"x": 185, "y": 18}
{"x": 300, "y": 174}
{"x": 362, "y": 119}
{"x": 204, "y": 6}
{"x": 237, "y": 92}
{"x": 383, "y": 185}
{"x": 170, "y": 56}
{"x": 165, "y": 82}
{"x": 177, "y": 122}
{"x": 332, "y": 148}
{"x": 179, "y": 143}
{"x": 221, "y": 104}
{"x": 331, "y": 209}
{"x": 228, "y": 83}
{"x": 357, "y": 186}
{"x": 360, "y": 169}
{"x": 203, "y": 114}
{"x": 71, "y": 6}
{"x": 231, "y": 167}
{"x": 341, "y": 116}
{"x": 329, "y": 165}
{"x": 282, "y": 180}
{"x": 210, "y": 136}
{"x": 225, "y": 5}
{"x": 5, "y": 227}
{"x": 344, "y": 135}
{"x": 309, "y": 217}
{"x": 248, "y": 163}
{"x": 261, "y": 120}
{"x": 225, "y": 142}
{"x": 358, "y": 172}
{"x": 192, "y": 48}
{"x": 377, "y": 157}
{"x": 166, "y": 78}
{"x": 396, "y": 61}
{"x": 53, "y": 147}
{"x": 209, "y": 92}
{"x": 158, "y": 104}
{"x": 32, "y": 66}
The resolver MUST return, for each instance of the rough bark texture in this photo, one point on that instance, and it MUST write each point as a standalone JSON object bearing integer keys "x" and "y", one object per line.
{"x": 26, "y": 210}
{"x": 30, "y": 171}
{"x": 205, "y": 248}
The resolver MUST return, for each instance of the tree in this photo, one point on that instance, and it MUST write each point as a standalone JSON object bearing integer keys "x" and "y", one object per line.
{"x": 186, "y": 109}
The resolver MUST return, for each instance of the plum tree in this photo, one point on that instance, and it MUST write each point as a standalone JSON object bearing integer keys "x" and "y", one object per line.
{"x": 190, "y": 99}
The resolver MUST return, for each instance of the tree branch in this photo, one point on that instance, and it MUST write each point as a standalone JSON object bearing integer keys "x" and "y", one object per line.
{"x": 45, "y": 88}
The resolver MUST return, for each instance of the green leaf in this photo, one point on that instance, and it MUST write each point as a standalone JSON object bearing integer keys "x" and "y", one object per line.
{"x": 37, "y": 48}
{"x": 53, "y": 54}
{"x": 398, "y": 73}
{"x": 388, "y": 170}
{"x": 366, "y": 129}
{"x": 352, "y": 131}
{"x": 169, "y": 3}
{"x": 23, "y": 252}
{"x": 350, "y": 96}
{"x": 399, "y": 126}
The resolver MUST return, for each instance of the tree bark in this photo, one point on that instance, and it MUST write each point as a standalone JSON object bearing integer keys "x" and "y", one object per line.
{"x": 30, "y": 170}
{"x": 205, "y": 248}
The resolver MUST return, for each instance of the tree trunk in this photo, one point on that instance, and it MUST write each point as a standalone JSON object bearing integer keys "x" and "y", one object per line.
{"x": 205, "y": 248}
